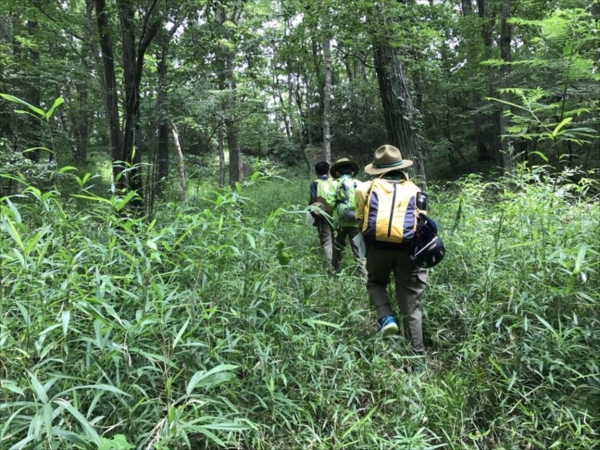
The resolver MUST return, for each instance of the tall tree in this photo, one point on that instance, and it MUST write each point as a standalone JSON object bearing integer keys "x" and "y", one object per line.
{"x": 399, "y": 111}
{"x": 327, "y": 100}
{"x": 133, "y": 50}
{"x": 227, "y": 77}
{"x": 475, "y": 96}
{"x": 505, "y": 83}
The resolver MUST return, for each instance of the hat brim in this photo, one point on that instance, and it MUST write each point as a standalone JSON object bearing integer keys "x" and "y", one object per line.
{"x": 375, "y": 171}
{"x": 337, "y": 165}
{"x": 321, "y": 203}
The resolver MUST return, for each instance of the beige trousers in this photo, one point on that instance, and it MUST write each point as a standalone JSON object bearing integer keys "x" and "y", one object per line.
{"x": 326, "y": 239}
{"x": 343, "y": 234}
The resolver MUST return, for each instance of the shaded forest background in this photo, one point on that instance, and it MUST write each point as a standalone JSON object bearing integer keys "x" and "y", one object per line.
{"x": 159, "y": 286}
{"x": 459, "y": 86}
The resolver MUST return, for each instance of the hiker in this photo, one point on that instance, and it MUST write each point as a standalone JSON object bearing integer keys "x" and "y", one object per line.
{"x": 386, "y": 209}
{"x": 344, "y": 171}
{"x": 322, "y": 196}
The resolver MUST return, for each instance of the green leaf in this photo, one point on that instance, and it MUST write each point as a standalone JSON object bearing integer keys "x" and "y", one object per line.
{"x": 33, "y": 242}
{"x": 81, "y": 419}
{"x": 118, "y": 442}
{"x": 92, "y": 197}
{"x": 38, "y": 388}
{"x": 22, "y": 111}
{"x": 251, "y": 240}
{"x": 560, "y": 125}
{"x": 67, "y": 169}
{"x": 74, "y": 438}
{"x": 227, "y": 426}
{"x": 47, "y": 416}
{"x": 59, "y": 101}
{"x": 210, "y": 379}
{"x": 580, "y": 259}
{"x": 180, "y": 333}
{"x": 12, "y": 387}
{"x": 12, "y": 98}
{"x": 99, "y": 387}
{"x": 322, "y": 322}
{"x": 541, "y": 155}
{"x": 66, "y": 317}
{"x": 12, "y": 230}
{"x": 121, "y": 203}
{"x": 14, "y": 210}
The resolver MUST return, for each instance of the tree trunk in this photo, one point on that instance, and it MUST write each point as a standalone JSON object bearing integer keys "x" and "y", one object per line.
{"x": 505, "y": 54}
{"x": 227, "y": 78}
{"x": 182, "y": 177}
{"x": 110, "y": 80}
{"x": 130, "y": 156}
{"x": 236, "y": 166}
{"x": 82, "y": 129}
{"x": 127, "y": 159}
{"x": 492, "y": 135}
{"x": 95, "y": 55}
{"x": 235, "y": 161}
{"x": 475, "y": 99}
{"x": 163, "y": 132}
{"x": 399, "y": 112}
{"x": 327, "y": 101}
{"x": 221, "y": 155}
{"x": 33, "y": 96}
{"x": 290, "y": 86}
{"x": 283, "y": 108}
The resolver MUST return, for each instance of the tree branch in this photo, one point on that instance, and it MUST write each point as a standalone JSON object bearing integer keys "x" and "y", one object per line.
{"x": 145, "y": 26}
{"x": 36, "y": 4}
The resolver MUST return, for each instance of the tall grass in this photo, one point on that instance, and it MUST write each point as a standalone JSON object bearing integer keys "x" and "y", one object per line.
{"x": 216, "y": 325}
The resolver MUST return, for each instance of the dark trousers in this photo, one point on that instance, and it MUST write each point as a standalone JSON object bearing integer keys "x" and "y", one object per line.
{"x": 410, "y": 283}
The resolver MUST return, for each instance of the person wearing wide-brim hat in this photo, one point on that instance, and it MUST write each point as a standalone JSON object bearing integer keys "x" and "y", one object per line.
{"x": 387, "y": 159}
{"x": 344, "y": 170}
{"x": 392, "y": 190}
{"x": 343, "y": 163}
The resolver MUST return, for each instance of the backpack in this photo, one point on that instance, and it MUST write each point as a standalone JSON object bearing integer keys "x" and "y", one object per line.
{"x": 346, "y": 199}
{"x": 428, "y": 249}
{"x": 326, "y": 190}
{"x": 391, "y": 212}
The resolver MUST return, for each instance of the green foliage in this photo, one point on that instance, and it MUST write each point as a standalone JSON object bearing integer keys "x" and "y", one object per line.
{"x": 534, "y": 120}
{"x": 358, "y": 119}
{"x": 215, "y": 325}
{"x": 19, "y": 168}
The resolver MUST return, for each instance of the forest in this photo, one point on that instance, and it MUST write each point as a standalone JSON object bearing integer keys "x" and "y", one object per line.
{"x": 161, "y": 288}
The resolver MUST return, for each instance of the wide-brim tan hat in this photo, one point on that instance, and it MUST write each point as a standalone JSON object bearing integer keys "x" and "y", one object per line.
{"x": 320, "y": 203}
{"x": 343, "y": 162}
{"x": 387, "y": 158}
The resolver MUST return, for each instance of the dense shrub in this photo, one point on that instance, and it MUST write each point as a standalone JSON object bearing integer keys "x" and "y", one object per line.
{"x": 217, "y": 325}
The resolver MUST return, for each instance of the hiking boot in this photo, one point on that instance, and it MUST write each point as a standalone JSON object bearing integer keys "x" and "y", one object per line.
{"x": 387, "y": 326}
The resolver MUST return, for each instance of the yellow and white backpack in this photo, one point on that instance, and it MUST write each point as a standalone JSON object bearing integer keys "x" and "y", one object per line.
{"x": 391, "y": 212}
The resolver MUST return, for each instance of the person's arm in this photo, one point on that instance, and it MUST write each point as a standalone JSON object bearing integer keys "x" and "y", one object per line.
{"x": 360, "y": 198}
{"x": 313, "y": 190}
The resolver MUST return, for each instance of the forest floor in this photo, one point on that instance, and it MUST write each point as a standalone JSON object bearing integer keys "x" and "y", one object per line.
{"x": 217, "y": 325}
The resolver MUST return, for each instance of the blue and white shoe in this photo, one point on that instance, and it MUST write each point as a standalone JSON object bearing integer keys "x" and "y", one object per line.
{"x": 387, "y": 326}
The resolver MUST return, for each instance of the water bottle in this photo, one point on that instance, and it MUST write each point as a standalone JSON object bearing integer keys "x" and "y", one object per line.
{"x": 421, "y": 201}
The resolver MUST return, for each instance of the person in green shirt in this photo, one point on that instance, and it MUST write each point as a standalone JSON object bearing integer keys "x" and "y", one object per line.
{"x": 344, "y": 171}
{"x": 322, "y": 197}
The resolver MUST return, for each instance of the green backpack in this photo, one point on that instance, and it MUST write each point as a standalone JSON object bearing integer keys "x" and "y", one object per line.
{"x": 345, "y": 199}
{"x": 327, "y": 189}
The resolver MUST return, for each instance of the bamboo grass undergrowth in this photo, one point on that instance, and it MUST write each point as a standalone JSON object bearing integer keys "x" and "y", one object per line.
{"x": 217, "y": 325}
